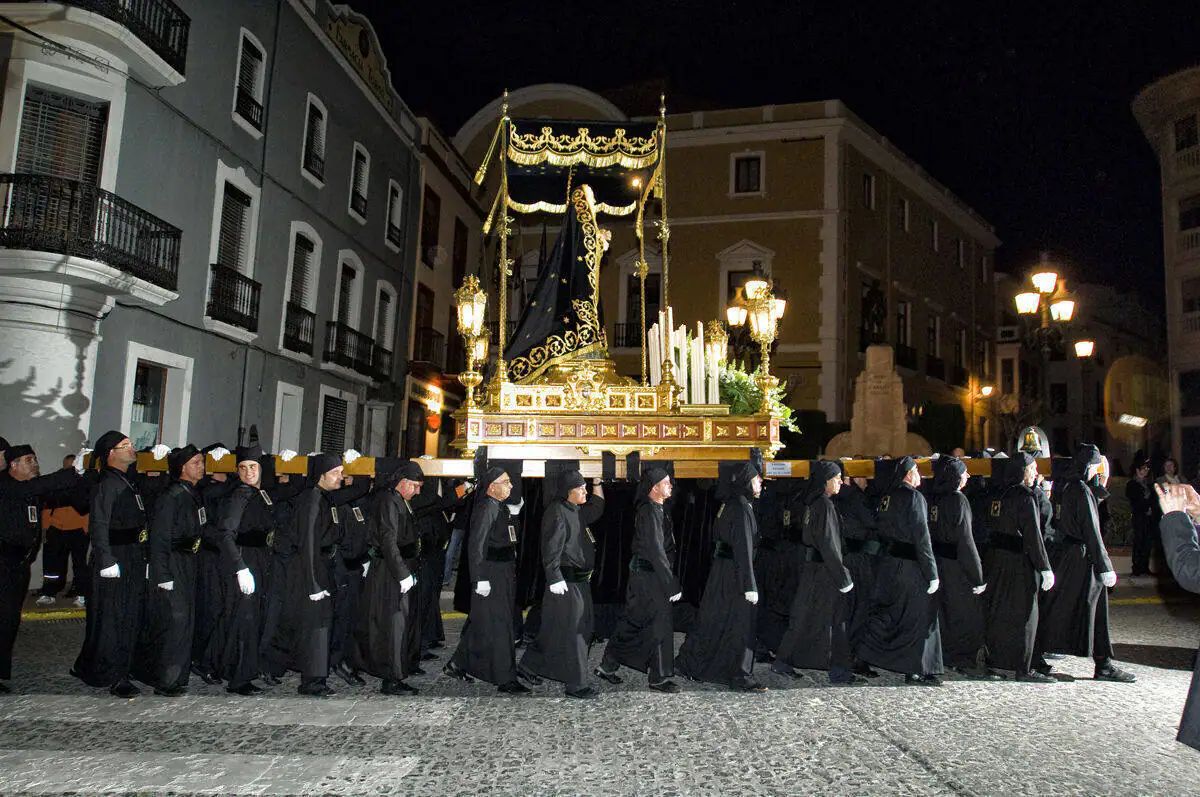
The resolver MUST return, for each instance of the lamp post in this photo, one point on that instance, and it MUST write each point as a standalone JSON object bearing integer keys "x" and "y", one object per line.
{"x": 471, "y": 303}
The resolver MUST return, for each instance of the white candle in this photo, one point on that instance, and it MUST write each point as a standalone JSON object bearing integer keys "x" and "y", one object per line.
{"x": 654, "y": 339}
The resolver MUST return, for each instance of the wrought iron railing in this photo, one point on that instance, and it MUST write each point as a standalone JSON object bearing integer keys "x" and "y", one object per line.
{"x": 935, "y": 366}
{"x": 358, "y": 203}
{"x": 429, "y": 346}
{"x": 52, "y": 214}
{"x": 249, "y": 108}
{"x": 381, "y": 364}
{"x": 314, "y": 164}
{"x": 906, "y": 356}
{"x": 627, "y": 336}
{"x": 349, "y": 348}
{"x": 299, "y": 327}
{"x": 160, "y": 24}
{"x": 395, "y": 235}
{"x": 233, "y": 298}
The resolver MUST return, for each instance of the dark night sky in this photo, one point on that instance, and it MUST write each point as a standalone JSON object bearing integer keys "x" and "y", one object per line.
{"x": 1023, "y": 114}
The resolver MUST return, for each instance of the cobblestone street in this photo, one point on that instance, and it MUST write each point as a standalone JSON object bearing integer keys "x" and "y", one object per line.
{"x": 965, "y": 739}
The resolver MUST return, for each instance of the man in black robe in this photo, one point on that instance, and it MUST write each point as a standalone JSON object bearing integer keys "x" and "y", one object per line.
{"x": 351, "y": 566}
{"x": 210, "y": 581}
{"x": 644, "y": 638}
{"x": 902, "y": 630}
{"x": 432, "y": 508}
{"x": 777, "y": 562}
{"x": 486, "y": 649}
{"x": 117, "y": 527}
{"x": 720, "y": 646}
{"x": 176, "y": 527}
{"x": 817, "y": 637}
{"x": 860, "y": 554}
{"x": 1179, "y": 505}
{"x": 385, "y": 637}
{"x": 560, "y": 650}
{"x": 23, "y": 491}
{"x": 960, "y": 605}
{"x": 1074, "y": 615}
{"x": 1015, "y": 566}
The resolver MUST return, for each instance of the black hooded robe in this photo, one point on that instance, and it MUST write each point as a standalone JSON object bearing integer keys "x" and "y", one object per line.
{"x": 1015, "y": 558}
{"x": 778, "y": 560}
{"x": 817, "y": 637}
{"x": 384, "y": 637}
{"x": 306, "y": 627}
{"x": 719, "y": 648}
{"x": 560, "y": 650}
{"x": 352, "y": 553}
{"x": 860, "y": 554}
{"x": 486, "y": 648}
{"x": 902, "y": 633}
{"x": 430, "y": 511}
{"x": 210, "y": 582}
{"x": 960, "y": 610}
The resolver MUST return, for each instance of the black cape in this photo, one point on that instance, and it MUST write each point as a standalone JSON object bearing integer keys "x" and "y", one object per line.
{"x": 385, "y": 635}
{"x": 960, "y": 610}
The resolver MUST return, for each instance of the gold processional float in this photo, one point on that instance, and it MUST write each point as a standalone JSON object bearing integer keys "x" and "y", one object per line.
{"x": 554, "y": 393}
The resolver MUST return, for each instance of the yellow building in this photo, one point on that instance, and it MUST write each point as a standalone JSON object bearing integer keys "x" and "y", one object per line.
{"x": 832, "y": 212}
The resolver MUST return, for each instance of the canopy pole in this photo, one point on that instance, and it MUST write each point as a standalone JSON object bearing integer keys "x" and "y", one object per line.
{"x": 664, "y": 231}
{"x": 643, "y": 268}
{"x": 500, "y": 377}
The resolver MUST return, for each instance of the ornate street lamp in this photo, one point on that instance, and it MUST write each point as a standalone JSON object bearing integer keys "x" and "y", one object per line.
{"x": 471, "y": 303}
{"x": 716, "y": 342}
{"x": 1084, "y": 348}
{"x": 760, "y": 308}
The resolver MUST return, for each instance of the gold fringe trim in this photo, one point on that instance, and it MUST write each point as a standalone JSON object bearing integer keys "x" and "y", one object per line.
{"x": 549, "y": 207}
{"x": 631, "y": 152}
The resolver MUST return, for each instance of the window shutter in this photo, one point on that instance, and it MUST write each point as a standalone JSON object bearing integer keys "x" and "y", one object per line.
{"x": 61, "y": 136}
{"x": 249, "y": 68}
{"x": 394, "y": 207}
{"x": 383, "y": 320}
{"x": 315, "y": 136}
{"x": 235, "y": 221}
{"x": 345, "y": 291}
{"x": 360, "y": 173}
{"x": 333, "y": 424}
{"x": 301, "y": 266}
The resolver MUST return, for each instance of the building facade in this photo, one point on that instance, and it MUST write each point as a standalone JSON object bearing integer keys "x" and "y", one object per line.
{"x": 209, "y": 225}
{"x": 1169, "y": 114}
{"x": 868, "y": 247}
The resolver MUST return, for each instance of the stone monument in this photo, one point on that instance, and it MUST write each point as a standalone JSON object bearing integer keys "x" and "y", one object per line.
{"x": 879, "y": 424}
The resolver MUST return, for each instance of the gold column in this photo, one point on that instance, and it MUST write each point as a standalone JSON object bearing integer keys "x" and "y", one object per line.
{"x": 500, "y": 376}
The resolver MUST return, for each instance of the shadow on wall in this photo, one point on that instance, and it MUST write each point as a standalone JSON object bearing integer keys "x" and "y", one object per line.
{"x": 51, "y": 420}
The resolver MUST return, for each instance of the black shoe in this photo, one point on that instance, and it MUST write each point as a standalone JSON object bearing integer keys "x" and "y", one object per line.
{"x": 125, "y": 690}
{"x": 1044, "y": 669}
{"x": 1035, "y": 677}
{"x": 318, "y": 689}
{"x": 853, "y": 680}
{"x": 533, "y": 678}
{"x": 398, "y": 688}
{"x": 748, "y": 685}
{"x": 979, "y": 674}
{"x": 248, "y": 689}
{"x": 417, "y": 671}
{"x": 513, "y": 687}
{"x": 436, "y": 645}
{"x": 922, "y": 680}
{"x": 270, "y": 679}
{"x": 764, "y": 657}
{"x": 205, "y": 675}
{"x": 611, "y": 677}
{"x": 1115, "y": 674}
{"x": 786, "y": 670}
{"x": 4, "y": 688}
{"x": 582, "y": 693}
{"x": 427, "y": 656}
{"x": 864, "y": 669}
{"x": 170, "y": 691}
{"x": 348, "y": 675}
{"x": 666, "y": 687}
{"x": 454, "y": 671}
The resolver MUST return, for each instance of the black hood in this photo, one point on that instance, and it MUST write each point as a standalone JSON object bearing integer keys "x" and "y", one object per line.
{"x": 1014, "y": 468}
{"x": 890, "y": 473}
{"x": 1085, "y": 456}
{"x": 318, "y": 464}
{"x": 947, "y": 475}
{"x": 820, "y": 471}
{"x": 390, "y": 470}
{"x": 104, "y": 446}
{"x": 735, "y": 478}
{"x": 566, "y": 482}
{"x": 180, "y": 457}
{"x": 650, "y": 477}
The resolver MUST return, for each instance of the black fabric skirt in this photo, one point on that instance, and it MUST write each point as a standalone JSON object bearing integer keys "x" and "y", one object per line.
{"x": 486, "y": 650}
{"x": 720, "y": 647}
{"x": 114, "y": 619}
{"x": 901, "y": 633}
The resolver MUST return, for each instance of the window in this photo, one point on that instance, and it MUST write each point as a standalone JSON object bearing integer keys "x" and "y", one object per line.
{"x": 1058, "y": 397}
{"x": 232, "y": 243}
{"x": 904, "y": 323}
{"x": 633, "y": 302}
{"x": 905, "y": 215}
{"x": 248, "y": 92}
{"x": 935, "y": 336}
{"x": 933, "y": 235}
{"x": 960, "y": 348}
{"x": 1189, "y": 393}
{"x": 345, "y": 294}
{"x": 156, "y": 399}
{"x": 149, "y": 390}
{"x": 385, "y": 315}
{"x": 1189, "y": 212}
{"x": 1186, "y": 134}
{"x": 1008, "y": 378}
{"x": 868, "y": 186}
{"x": 962, "y": 253}
{"x": 983, "y": 269}
{"x": 394, "y": 235}
{"x": 747, "y": 174}
{"x": 1189, "y": 291}
{"x": 61, "y": 136}
{"x": 458, "y": 257}
{"x": 431, "y": 220}
{"x": 302, "y": 267}
{"x": 333, "y": 423}
{"x": 360, "y": 176}
{"x": 313, "y": 158}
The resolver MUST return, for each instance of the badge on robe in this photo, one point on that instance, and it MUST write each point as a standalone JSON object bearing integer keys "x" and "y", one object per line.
{"x": 202, "y": 514}
{"x": 32, "y": 513}
{"x": 884, "y": 503}
{"x": 807, "y": 515}
{"x": 143, "y": 537}
{"x": 196, "y": 544}
{"x": 787, "y": 518}
{"x": 588, "y": 530}
{"x": 996, "y": 505}
{"x": 138, "y": 498}
{"x": 933, "y": 514}
{"x": 512, "y": 533}
{"x": 358, "y": 515}
{"x": 266, "y": 498}
{"x": 333, "y": 514}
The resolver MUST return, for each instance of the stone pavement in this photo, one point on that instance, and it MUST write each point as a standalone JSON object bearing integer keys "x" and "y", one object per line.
{"x": 967, "y": 738}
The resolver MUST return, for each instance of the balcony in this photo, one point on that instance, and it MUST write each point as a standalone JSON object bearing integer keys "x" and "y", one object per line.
{"x": 396, "y": 236}
{"x": 381, "y": 364}
{"x": 67, "y": 217}
{"x": 429, "y": 346}
{"x": 150, "y": 35}
{"x": 314, "y": 163}
{"x": 906, "y": 356}
{"x": 958, "y": 376}
{"x": 249, "y": 109}
{"x": 299, "y": 328}
{"x": 350, "y": 349}
{"x": 935, "y": 367}
{"x": 627, "y": 336}
{"x": 358, "y": 203}
{"x": 233, "y": 299}
{"x": 1189, "y": 243}
{"x": 1187, "y": 162}
{"x": 1189, "y": 323}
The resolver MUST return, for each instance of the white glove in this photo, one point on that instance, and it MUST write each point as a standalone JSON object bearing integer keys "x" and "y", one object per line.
{"x": 112, "y": 571}
{"x": 316, "y": 596}
{"x": 81, "y": 460}
{"x": 406, "y": 584}
{"x": 752, "y": 597}
{"x": 483, "y": 588}
{"x": 846, "y": 588}
{"x": 245, "y": 581}
{"x": 287, "y": 455}
{"x": 559, "y": 588}
{"x": 167, "y": 585}
{"x": 933, "y": 586}
{"x": 160, "y": 451}
{"x": 1109, "y": 578}
{"x": 515, "y": 509}
{"x": 979, "y": 590}
{"x": 1047, "y": 580}
{"x": 675, "y": 598}
{"x": 220, "y": 452}
{"x": 350, "y": 455}
{"x": 366, "y": 567}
